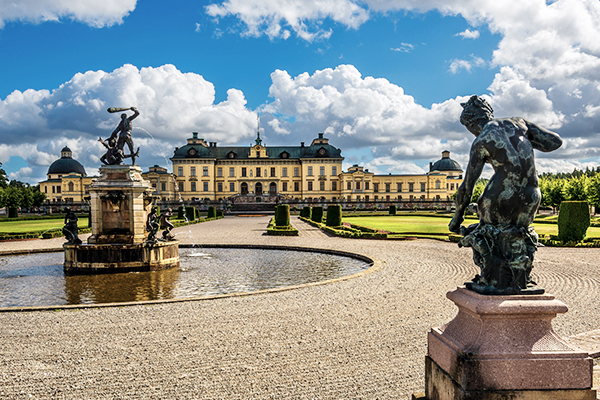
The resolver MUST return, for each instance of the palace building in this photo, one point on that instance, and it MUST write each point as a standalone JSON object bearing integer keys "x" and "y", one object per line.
{"x": 204, "y": 171}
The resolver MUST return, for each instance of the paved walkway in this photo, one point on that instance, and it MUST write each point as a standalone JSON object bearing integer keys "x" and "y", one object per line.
{"x": 363, "y": 338}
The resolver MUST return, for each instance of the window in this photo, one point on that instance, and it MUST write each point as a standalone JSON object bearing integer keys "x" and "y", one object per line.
{"x": 411, "y": 188}
{"x": 349, "y": 186}
{"x": 296, "y": 171}
{"x": 322, "y": 171}
{"x": 220, "y": 187}
{"x": 284, "y": 171}
{"x": 296, "y": 186}
{"x": 45, "y": 189}
{"x": 70, "y": 186}
{"x": 193, "y": 189}
{"x": 310, "y": 186}
{"x": 334, "y": 185}
{"x": 399, "y": 187}
{"x": 366, "y": 185}
{"x": 205, "y": 186}
{"x": 193, "y": 171}
{"x": 357, "y": 185}
{"x": 366, "y": 198}
{"x": 231, "y": 171}
{"x": 163, "y": 186}
{"x": 231, "y": 186}
{"x": 387, "y": 187}
{"x": 257, "y": 172}
{"x": 309, "y": 171}
{"x": 154, "y": 185}
{"x": 179, "y": 171}
{"x": 452, "y": 186}
{"x": 204, "y": 171}
{"x": 243, "y": 171}
{"x": 334, "y": 170}
{"x": 220, "y": 171}
{"x": 58, "y": 189}
{"x": 437, "y": 184}
{"x": 53, "y": 189}
{"x": 376, "y": 187}
{"x": 180, "y": 186}
{"x": 284, "y": 186}
{"x": 272, "y": 171}
{"x": 322, "y": 185}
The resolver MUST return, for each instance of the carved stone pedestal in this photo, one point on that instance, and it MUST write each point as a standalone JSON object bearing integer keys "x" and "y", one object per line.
{"x": 120, "y": 203}
{"x": 504, "y": 347}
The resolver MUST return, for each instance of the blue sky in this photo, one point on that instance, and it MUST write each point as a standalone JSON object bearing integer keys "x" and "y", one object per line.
{"x": 383, "y": 80}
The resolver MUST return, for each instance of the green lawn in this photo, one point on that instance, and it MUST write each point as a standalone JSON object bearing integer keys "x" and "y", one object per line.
{"x": 401, "y": 224}
{"x": 36, "y": 225}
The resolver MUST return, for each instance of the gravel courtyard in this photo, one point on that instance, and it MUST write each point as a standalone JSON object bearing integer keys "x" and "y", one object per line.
{"x": 362, "y": 338}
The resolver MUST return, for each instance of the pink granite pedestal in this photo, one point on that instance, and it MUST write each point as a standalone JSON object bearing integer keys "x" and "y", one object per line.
{"x": 504, "y": 347}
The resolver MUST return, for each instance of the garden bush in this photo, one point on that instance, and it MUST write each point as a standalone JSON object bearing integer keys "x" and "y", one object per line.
{"x": 317, "y": 214}
{"x": 573, "y": 220}
{"x": 306, "y": 212}
{"x": 282, "y": 215}
{"x": 334, "y": 215}
{"x": 219, "y": 213}
{"x": 13, "y": 212}
{"x": 190, "y": 213}
{"x": 212, "y": 212}
{"x": 180, "y": 212}
{"x": 392, "y": 210}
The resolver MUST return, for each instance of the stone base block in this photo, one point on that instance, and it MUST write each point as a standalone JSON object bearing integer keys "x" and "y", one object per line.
{"x": 440, "y": 386}
{"x": 114, "y": 258}
{"x": 505, "y": 345}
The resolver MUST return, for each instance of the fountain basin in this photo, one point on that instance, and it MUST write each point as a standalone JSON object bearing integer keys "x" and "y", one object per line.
{"x": 111, "y": 258}
{"x": 36, "y": 281}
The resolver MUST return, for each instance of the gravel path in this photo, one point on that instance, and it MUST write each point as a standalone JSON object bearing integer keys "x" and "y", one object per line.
{"x": 363, "y": 338}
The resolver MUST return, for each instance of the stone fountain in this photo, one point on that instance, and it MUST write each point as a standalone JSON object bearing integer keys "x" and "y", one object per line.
{"x": 121, "y": 203}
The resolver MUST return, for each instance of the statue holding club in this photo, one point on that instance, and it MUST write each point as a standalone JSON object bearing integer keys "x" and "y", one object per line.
{"x": 119, "y": 137}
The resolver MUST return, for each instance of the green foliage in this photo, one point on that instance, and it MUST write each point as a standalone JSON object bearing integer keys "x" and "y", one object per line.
{"x": 317, "y": 214}
{"x": 593, "y": 190}
{"x": 392, "y": 210}
{"x": 219, "y": 213}
{"x": 573, "y": 220}
{"x": 478, "y": 189}
{"x": 552, "y": 191}
{"x": 180, "y": 212}
{"x": 282, "y": 215}
{"x": 3, "y": 178}
{"x": 306, "y": 212}
{"x": 190, "y": 213}
{"x": 13, "y": 212}
{"x": 212, "y": 212}
{"x": 274, "y": 230}
{"x": 575, "y": 189}
{"x": 334, "y": 215}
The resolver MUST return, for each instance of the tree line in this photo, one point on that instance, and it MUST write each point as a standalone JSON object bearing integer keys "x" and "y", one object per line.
{"x": 15, "y": 194}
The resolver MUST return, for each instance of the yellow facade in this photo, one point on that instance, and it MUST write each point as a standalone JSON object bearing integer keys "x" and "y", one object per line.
{"x": 67, "y": 180}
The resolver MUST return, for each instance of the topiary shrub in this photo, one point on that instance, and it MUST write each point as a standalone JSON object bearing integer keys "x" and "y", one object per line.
{"x": 180, "y": 212}
{"x": 212, "y": 212}
{"x": 282, "y": 215}
{"x": 219, "y": 213}
{"x": 13, "y": 212}
{"x": 317, "y": 214}
{"x": 334, "y": 215}
{"x": 190, "y": 213}
{"x": 573, "y": 220}
{"x": 306, "y": 212}
{"x": 392, "y": 210}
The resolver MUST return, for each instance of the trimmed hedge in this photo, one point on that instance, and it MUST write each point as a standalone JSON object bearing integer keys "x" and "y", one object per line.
{"x": 392, "y": 210}
{"x": 334, "y": 215}
{"x": 219, "y": 213}
{"x": 306, "y": 212}
{"x": 190, "y": 213}
{"x": 317, "y": 214}
{"x": 345, "y": 231}
{"x": 13, "y": 212}
{"x": 282, "y": 215}
{"x": 180, "y": 212}
{"x": 573, "y": 220}
{"x": 274, "y": 230}
{"x": 212, "y": 212}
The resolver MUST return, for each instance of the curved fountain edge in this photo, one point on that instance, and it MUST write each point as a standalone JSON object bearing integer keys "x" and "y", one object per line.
{"x": 375, "y": 265}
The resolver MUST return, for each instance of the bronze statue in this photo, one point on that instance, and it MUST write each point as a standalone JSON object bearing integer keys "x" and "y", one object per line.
{"x": 167, "y": 225}
{"x": 503, "y": 242}
{"x": 114, "y": 155}
{"x": 70, "y": 230}
{"x": 121, "y": 135}
{"x": 152, "y": 226}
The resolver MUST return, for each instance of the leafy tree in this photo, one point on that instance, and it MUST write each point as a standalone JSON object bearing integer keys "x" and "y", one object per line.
{"x": 38, "y": 196}
{"x": 555, "y": 194}
{"x": 593, "y": 191}
{"x": 478, "y": 189}
{"x": 575, "y": 188}
{"x": 3, "y": 178}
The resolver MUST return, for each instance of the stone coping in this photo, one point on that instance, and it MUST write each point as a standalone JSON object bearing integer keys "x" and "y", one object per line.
{"x": 374, "y": 265}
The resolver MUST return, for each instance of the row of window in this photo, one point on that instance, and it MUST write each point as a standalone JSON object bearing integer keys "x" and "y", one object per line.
{"x": 246, "y": 171}
{"x": 388, "y": 186}
{"x": 244, "y": 186}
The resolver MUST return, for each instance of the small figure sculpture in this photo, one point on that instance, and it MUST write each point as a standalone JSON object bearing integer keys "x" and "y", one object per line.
{"x": 122, "y": 134}
{"x": 503, "y": 242}
{"x": 70, "y": 229}
{"x": 114, "y": 155}
{"x": 152, "y": 226}
{"x": 167, "y": 225}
